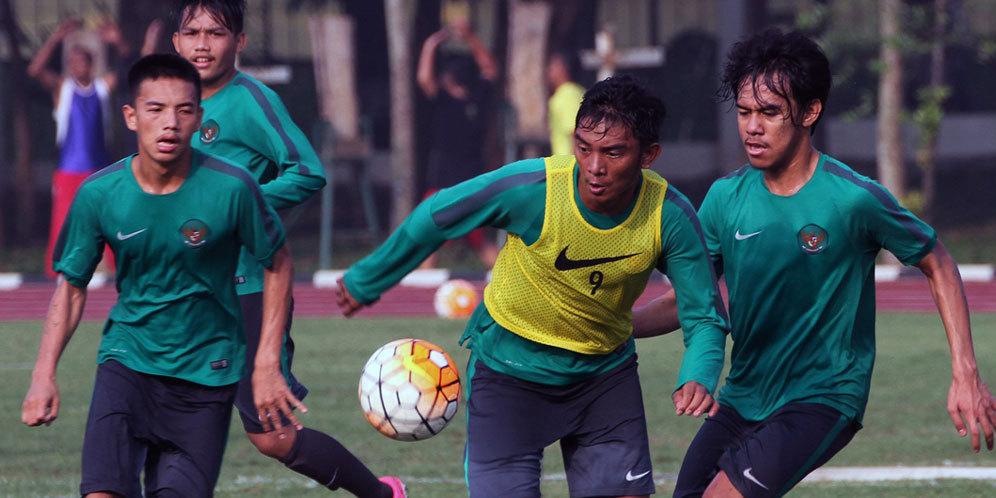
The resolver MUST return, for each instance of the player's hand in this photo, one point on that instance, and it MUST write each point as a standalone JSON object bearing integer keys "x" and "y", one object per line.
{"x": 971, "y": 405}
{"x": 273, "y": 397}
{"x": 694, "y": 399}
{"x": 347, "y": 303}
{"x": 41, "y": 404}
{"x": 67, "y": 26}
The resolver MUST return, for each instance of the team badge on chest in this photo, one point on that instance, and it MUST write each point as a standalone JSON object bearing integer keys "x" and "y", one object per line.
{"x": 209, "y": 131}
{"x": 194, "y": 232}
{"x": 813, "y": 239}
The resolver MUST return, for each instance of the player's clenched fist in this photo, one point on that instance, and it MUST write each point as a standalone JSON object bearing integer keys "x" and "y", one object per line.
{"x": 41, "y": 404}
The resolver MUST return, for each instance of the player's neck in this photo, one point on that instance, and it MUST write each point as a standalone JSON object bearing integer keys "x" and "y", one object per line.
{"x": 209, "y": 88}
{"x": 788, "y": 178}
{"x": 158, "y": 178}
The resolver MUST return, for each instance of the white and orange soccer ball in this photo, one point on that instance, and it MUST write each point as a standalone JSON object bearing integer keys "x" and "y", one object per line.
{"x": 409, "y": 389}
{"x": 456, "y": 299}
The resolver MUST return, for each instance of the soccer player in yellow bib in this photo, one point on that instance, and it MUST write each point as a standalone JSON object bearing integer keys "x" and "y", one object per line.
{"x": 552, "y": 352}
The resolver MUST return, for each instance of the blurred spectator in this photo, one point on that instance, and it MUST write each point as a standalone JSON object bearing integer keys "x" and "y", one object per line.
{"x": 459, "y": 96}
{"x": 563, "y": 105}
{"x": 82, "y": 116}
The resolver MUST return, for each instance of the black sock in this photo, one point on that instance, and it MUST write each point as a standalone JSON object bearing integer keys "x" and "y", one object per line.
{"x": 322, "y": 458}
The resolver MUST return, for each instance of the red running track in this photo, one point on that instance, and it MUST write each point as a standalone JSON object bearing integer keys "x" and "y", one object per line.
{"x": 30, "y": 302}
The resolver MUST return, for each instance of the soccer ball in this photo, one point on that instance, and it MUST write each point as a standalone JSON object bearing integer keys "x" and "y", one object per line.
{"x": 409, "y": 389}
{"x": 455, "y": 299}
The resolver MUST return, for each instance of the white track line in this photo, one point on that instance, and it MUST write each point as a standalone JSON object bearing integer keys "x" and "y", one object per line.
{"x": 826, "y": 474}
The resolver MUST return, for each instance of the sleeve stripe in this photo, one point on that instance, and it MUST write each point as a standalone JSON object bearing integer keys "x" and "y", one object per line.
{"x": 882, "y": 196}
{"x": 60, "y": 242}
{"x": 270, "y": 223}
{"x": 689, "y": 211}
{"x": 461, "y": 209}
{"x": 271, "y": 116}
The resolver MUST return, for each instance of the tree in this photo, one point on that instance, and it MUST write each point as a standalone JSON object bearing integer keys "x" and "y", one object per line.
{"x": 25, "y": 208}
{"x": 889, "y": 150}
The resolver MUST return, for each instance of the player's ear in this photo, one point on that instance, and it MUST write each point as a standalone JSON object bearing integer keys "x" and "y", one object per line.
{"x": 240, "y": 41}
{"x": 812, "y": 113}
{"x": 176, "y": 41}
{"x": 129, "y": 117}
{"x": 649, "y": 154}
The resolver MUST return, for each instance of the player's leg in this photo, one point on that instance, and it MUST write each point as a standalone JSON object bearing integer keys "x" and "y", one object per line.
{"x": 609, "y": 452}
{"x": 509, "y": 422}
{"x": 190, "y": 429}
{"x": 311, "y": 453}
{"x": 700, "y": 465}
{"x": 786, "y": 446}
{"x": 115, "y": 442}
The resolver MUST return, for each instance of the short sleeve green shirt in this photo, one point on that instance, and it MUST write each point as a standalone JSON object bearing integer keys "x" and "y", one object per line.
{"x": 177, "y": 312}
{"x": 800, "y": 273}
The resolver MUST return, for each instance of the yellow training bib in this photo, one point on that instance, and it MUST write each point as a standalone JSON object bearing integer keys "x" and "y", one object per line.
{"x": 574, "y": 288}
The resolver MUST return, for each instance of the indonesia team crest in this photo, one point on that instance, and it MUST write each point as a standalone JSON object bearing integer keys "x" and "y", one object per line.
{"x": 209, "y": 131}
{"x": 194, "y": 233}
{"x": 813, "y": 239}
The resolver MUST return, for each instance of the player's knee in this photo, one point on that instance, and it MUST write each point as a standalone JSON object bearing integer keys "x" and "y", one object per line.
{"x": 274, "y": 444}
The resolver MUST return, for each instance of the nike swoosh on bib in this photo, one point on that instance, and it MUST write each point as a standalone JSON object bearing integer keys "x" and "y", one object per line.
{"x": 563, "y": 263}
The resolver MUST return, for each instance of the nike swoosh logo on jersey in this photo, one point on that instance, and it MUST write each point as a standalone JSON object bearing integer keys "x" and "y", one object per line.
{"x": 563, "y": 263}
{"x": 745, "y": 236}
{"x": 751, "y": 477}
{"x": 631, "y": 477}
{"x": 130, "y": 235}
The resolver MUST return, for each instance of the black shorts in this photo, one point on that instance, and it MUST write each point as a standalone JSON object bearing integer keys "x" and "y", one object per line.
{"x": 767, "y": 457}
{"x": 599, "y": 422}
{"x": 172, "y": 429}
{"x": 252, "y": 322}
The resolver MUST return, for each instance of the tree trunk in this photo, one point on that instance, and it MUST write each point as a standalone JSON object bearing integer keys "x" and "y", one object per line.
{"x": 23, "y": 186}
{"x": 889, "y": 150}
{"x": 529, "y": 23}
{"x": 400, "y": 18}
{"x": 928, "y": 152}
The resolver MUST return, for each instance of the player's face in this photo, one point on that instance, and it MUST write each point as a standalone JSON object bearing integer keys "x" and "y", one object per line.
{"x": 165, "y": 114}
{"x": 610, "y": 160}
{"x": 771, "y": 138}
{"x": 79, "y": 65}
{"x": 209, "y": 46}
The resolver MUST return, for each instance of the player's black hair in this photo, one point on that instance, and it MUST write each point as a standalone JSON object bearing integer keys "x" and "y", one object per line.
{"x": 155, "y": 66}
{"x": 787, "y": 63}
{"x": 622, "y": 100}
{"x": 228, "y": 13}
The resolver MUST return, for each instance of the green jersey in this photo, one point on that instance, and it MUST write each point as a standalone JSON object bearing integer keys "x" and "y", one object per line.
{"x": 513, "y": 198}
{"x": 246, "y": 124}
{"x": 800, "y": 273}
{"x": 177, "y": 312}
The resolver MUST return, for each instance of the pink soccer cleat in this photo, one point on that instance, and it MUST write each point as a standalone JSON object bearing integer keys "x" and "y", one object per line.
{"x": 397, "y": 487}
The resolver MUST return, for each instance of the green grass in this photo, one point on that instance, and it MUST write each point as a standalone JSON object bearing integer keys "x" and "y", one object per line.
{"x": 906, "y": 423}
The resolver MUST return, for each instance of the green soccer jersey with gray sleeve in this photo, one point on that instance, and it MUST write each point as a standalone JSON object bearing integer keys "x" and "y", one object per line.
{"x": 246, "y": 124}
{"x": 177, "y": 313}
{"x": 800, "y": 274}
{"x": 513, "y": 198}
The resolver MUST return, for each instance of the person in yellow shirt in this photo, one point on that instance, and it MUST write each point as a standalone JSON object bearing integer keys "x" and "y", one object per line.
{"x": 563, "y": 105}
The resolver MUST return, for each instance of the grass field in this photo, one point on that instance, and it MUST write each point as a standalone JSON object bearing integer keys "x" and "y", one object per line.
{"x": 906, "y": 423}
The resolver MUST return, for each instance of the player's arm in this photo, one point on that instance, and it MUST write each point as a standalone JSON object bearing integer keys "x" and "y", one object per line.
{"x": 511, "y": 198}
{"x": 425, "y": 74}
{"x": 698, "y": 306}
{"x": 38, "y": 67}
{"x": 269, "y": 386}
{"x": 970, "y": 402}
{"x": 41, "y": 404}
{"x": 276, "y": 137}
{"x": 486, "y": 64}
